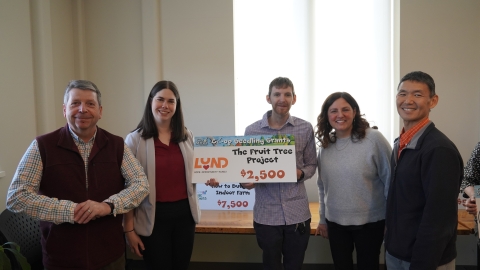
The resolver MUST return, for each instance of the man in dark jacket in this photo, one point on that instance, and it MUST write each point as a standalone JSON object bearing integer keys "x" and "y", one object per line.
{"x": 427, "y": 170}
{"x": 77, "y": 180}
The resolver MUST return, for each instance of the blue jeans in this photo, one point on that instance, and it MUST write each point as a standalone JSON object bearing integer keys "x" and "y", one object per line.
{"x": 394, "y": 263}
{"x": 397, "y": 264}
{"x": 286, "y": 240}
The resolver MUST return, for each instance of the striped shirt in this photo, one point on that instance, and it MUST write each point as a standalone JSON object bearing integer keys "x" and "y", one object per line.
{"x": 23, "y": 194}
{"x": 285, "y": 203}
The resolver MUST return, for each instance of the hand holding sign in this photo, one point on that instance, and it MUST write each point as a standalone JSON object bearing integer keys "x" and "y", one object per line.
{"x": 212, "y": 182}
{"x": 248, "y": 185}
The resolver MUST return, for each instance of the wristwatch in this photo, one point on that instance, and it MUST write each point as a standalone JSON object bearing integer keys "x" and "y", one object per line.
{"x": 112, "y": 207}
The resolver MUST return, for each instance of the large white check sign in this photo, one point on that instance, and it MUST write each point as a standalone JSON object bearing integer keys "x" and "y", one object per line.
{"x": 245, "y": 159}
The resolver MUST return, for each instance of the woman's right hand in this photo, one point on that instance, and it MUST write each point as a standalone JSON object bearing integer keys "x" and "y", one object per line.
{"x": 212, "y": 182}
{"x": 322, "y": 230}
{"x": 471, "y": 206}
{"x": 135, "y": 243}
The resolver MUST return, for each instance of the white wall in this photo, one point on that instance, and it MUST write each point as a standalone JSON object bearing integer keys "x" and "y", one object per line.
{"x": 197, "y": 54}
{"x": 442, "y": 38}
{"x": 17, "y": 96}
{"x": 126, "y": 46}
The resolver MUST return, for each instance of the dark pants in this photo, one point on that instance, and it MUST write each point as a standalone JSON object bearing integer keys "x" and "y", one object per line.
{"x": 117, "y": 264}
{"x": 171, "y": 243}
{"x": 284, "y": 239}
{"x": 366, "y": 239}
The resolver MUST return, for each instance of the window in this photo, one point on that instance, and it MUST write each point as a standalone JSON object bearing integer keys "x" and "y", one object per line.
{"x": 323, "y": 47}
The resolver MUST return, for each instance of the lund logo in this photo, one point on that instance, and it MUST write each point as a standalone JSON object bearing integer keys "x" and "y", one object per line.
{"x": 206, "y": 163}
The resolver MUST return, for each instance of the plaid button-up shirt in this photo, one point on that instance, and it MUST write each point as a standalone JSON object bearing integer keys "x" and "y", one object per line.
{"x": 23, "y": 194}
{"x": 286, "y": 203}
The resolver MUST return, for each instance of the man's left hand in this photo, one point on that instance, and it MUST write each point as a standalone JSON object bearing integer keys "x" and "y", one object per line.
{"x": 299, "y": 174}
{"x": 90, "y": 210}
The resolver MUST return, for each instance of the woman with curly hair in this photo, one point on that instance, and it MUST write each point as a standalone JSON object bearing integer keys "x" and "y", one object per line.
{"x": 353, "y": 179}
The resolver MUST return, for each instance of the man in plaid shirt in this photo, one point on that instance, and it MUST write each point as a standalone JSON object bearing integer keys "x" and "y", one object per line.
{"x": 76, "y": 181}
{"x": 281, "y": 212}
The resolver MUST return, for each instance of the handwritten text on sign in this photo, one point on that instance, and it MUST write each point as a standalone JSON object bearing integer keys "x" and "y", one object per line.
{"x": 245, "y": 159}
{"x": 227, "y": 196}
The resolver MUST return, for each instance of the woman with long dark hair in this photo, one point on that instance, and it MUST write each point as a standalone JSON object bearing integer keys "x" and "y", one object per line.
{"x": 353, "y": 179}
{"x": 162, "y": 228}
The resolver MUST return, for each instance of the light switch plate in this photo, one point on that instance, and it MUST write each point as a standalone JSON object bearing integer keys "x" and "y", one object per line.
{"x": 2, "y": 174}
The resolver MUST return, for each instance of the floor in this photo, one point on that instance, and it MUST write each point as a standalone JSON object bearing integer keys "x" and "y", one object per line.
{"x": 138, "y": 265}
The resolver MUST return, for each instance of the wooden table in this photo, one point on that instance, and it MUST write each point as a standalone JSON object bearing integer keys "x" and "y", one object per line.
{"x": 466, "y": 223}
{"x": 241, "y": 222}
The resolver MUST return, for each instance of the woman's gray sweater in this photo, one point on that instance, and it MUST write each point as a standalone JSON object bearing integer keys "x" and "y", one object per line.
{"x": 353, "y": 179}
